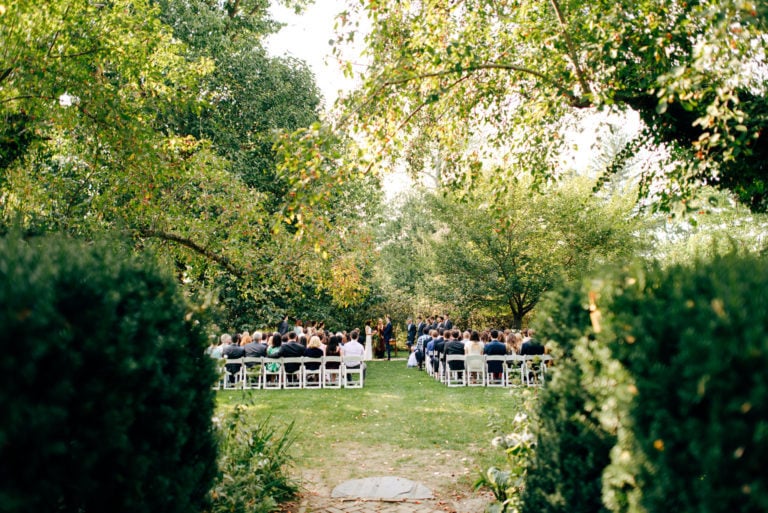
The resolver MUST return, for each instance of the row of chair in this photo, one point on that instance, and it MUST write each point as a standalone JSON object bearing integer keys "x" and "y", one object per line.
{"x": 456, "y": 370}
{"x": 252, "y": 373}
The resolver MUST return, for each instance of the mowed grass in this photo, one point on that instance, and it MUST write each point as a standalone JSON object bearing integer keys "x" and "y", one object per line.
{"x": 403, "y": 423}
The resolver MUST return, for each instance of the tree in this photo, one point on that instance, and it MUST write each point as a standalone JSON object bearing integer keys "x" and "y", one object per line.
{"x": 521, "y": 72}
{"x": 504, "y": 255}
{"x": 113, "y": 120}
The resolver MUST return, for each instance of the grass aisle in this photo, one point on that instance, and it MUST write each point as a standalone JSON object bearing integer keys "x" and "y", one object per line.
{"x": 403, "y": 423}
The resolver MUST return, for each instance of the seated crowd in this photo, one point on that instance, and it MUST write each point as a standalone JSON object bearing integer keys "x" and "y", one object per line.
{"x": 434, "y": 346}
{"x": 315, "y": 343}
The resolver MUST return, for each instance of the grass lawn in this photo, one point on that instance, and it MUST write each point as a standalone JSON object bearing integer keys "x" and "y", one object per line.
{"x": 403, "y": 423}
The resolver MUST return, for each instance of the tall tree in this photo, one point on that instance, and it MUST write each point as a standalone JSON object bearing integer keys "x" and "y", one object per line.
{"x": 519, "y": 72}
{"x": 503, "y": 254}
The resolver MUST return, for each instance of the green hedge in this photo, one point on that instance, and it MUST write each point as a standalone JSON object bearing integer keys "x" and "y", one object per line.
{"x": 676, "y": 377}
{"x": 104, "y": 387}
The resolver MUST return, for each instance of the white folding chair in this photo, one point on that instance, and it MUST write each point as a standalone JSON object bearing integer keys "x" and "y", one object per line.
{"x": 496, "y": 363}
{"x": 535, "y": 369}
{"x": 251, "y": 372}
{"x": 313, "y": 372}
{"x": 292, "y": 371}
{"x": 272, "y": 373}
{"x": 454, "y": 370}
{"x": 516, "y": 371}
{"x": 353, "y": 366}
{"x": 475, "y": 370}
{"x": 221, "y": 373}
{"x": 428, "y": 362}
{"x": 233, "y": 378}
{"x": 332, "y": 375}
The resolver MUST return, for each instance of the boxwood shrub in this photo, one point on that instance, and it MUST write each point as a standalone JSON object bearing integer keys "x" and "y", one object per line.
{"x": 666, "y": 407}
{"x": 104, "y": 387}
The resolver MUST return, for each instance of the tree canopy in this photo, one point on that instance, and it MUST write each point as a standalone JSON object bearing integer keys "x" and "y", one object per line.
{"x": 517, "y": 74}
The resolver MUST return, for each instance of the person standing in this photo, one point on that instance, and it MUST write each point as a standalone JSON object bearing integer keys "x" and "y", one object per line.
{"x": 448, "y": 323}
{"x": 368, "y": 354}
{"x": 420, "y": 328}
{"x": 410, "y": 329}
{"x": 282, "y": 328}
{"x": 386, "y": 334}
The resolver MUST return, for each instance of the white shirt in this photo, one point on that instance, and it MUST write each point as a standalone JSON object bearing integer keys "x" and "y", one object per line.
{"x": 352, "y": 348}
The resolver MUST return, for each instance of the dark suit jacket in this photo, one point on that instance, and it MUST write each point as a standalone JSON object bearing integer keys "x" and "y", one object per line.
{"x": 448, "y": 324}
{"x": 231, "y": 352}
{"x": 420, "y": 329}
{"x": 531, "y": 347}
{"x": 291, "y": 350}
{"x": 495, "y": 347}
{"x": 313, "y": 352}
{"x": 455, "y": 347}
{"x": 411, "y": 333}
{"x": 387, "y": 333}
{"x": 282, "y": 328}
{"x": 255, "y": 349}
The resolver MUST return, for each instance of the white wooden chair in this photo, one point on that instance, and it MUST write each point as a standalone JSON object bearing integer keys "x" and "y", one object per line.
{"x": 233, "y": 378}
{"x": 312, "y": 369}
{"x": 332, "y": 376}
{"x": 497, "y": 363}
{"x": 293, "y": 371}
{"x": 353, "y": 366}
{"x": 535, "y": 369}
{"x": 454, "y": 370}
{"x": 475, "y": 370}
{"x": 252, "y": 372}
{"x": 516, "y": 371}
{"x": 271, "y": 379}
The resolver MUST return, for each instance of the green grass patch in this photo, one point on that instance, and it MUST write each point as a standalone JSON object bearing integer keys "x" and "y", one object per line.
{"x": 402, "y": 423}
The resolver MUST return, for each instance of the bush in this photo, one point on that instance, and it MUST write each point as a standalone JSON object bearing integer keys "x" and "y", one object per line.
{"x": 252, "y": 464}
{"x": 104, "y": 386}
{"x": 664, "y": 407}
{"x": 695, "y": 340}
{"x": 575, "y": 421}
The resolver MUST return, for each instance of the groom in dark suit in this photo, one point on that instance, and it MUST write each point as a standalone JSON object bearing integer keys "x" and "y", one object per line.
{"x": 410, "y": 329}
{"x": 387, "y": 336}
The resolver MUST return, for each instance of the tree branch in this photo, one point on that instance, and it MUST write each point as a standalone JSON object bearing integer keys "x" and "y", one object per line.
{"x": 223, "y": 261}
{"x": 571, "y": 49}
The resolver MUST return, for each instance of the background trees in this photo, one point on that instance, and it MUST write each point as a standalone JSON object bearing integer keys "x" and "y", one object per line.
{"x": 482, "y": 253}
{"x": 160, "y": 120}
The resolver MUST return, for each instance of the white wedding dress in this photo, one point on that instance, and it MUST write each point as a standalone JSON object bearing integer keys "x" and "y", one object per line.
{"x": 368, "y": 355}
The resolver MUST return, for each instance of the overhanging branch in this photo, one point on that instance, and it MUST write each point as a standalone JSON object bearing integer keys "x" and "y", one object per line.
{"x": 223, "y": 261}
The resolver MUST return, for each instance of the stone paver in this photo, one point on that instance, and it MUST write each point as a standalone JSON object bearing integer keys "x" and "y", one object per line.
{"x": 315, "y": 504}
{"x": 384, "y": 487}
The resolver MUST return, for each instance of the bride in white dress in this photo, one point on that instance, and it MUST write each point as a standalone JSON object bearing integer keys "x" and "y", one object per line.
{"x": 368, "y": 341}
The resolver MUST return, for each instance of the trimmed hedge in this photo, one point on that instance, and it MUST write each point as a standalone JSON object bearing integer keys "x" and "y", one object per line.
{"x": 104, "y": 386}
{"x": 676, "y": 376}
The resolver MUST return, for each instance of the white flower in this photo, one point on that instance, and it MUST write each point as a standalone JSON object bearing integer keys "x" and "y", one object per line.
{"x": 520, "y": 418}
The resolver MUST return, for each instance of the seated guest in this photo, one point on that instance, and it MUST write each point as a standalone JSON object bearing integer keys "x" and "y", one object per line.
{"x": 215, "y": 350}
{"x": 531, "y": 346}
{"x": 313, "y": 351}
{"x": 454, "y": 346}
{"x": 255, "y": 349}
{"x": 233, "y": 351}
{"x": 353, "y": 348}
{"x": 292, "y": 349}
{"x": 474, "y": 346}
{"x": 494, "y": 347}
{"x": 333, "y": 349}
{"x": 273, "y": 351}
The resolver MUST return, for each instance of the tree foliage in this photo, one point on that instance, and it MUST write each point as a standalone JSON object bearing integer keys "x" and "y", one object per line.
{"x": 520, "y": 73}
{"x": 168, "y": 121}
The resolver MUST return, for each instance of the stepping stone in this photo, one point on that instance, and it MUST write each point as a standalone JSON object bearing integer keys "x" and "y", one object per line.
{"x": 387, "y": 488}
